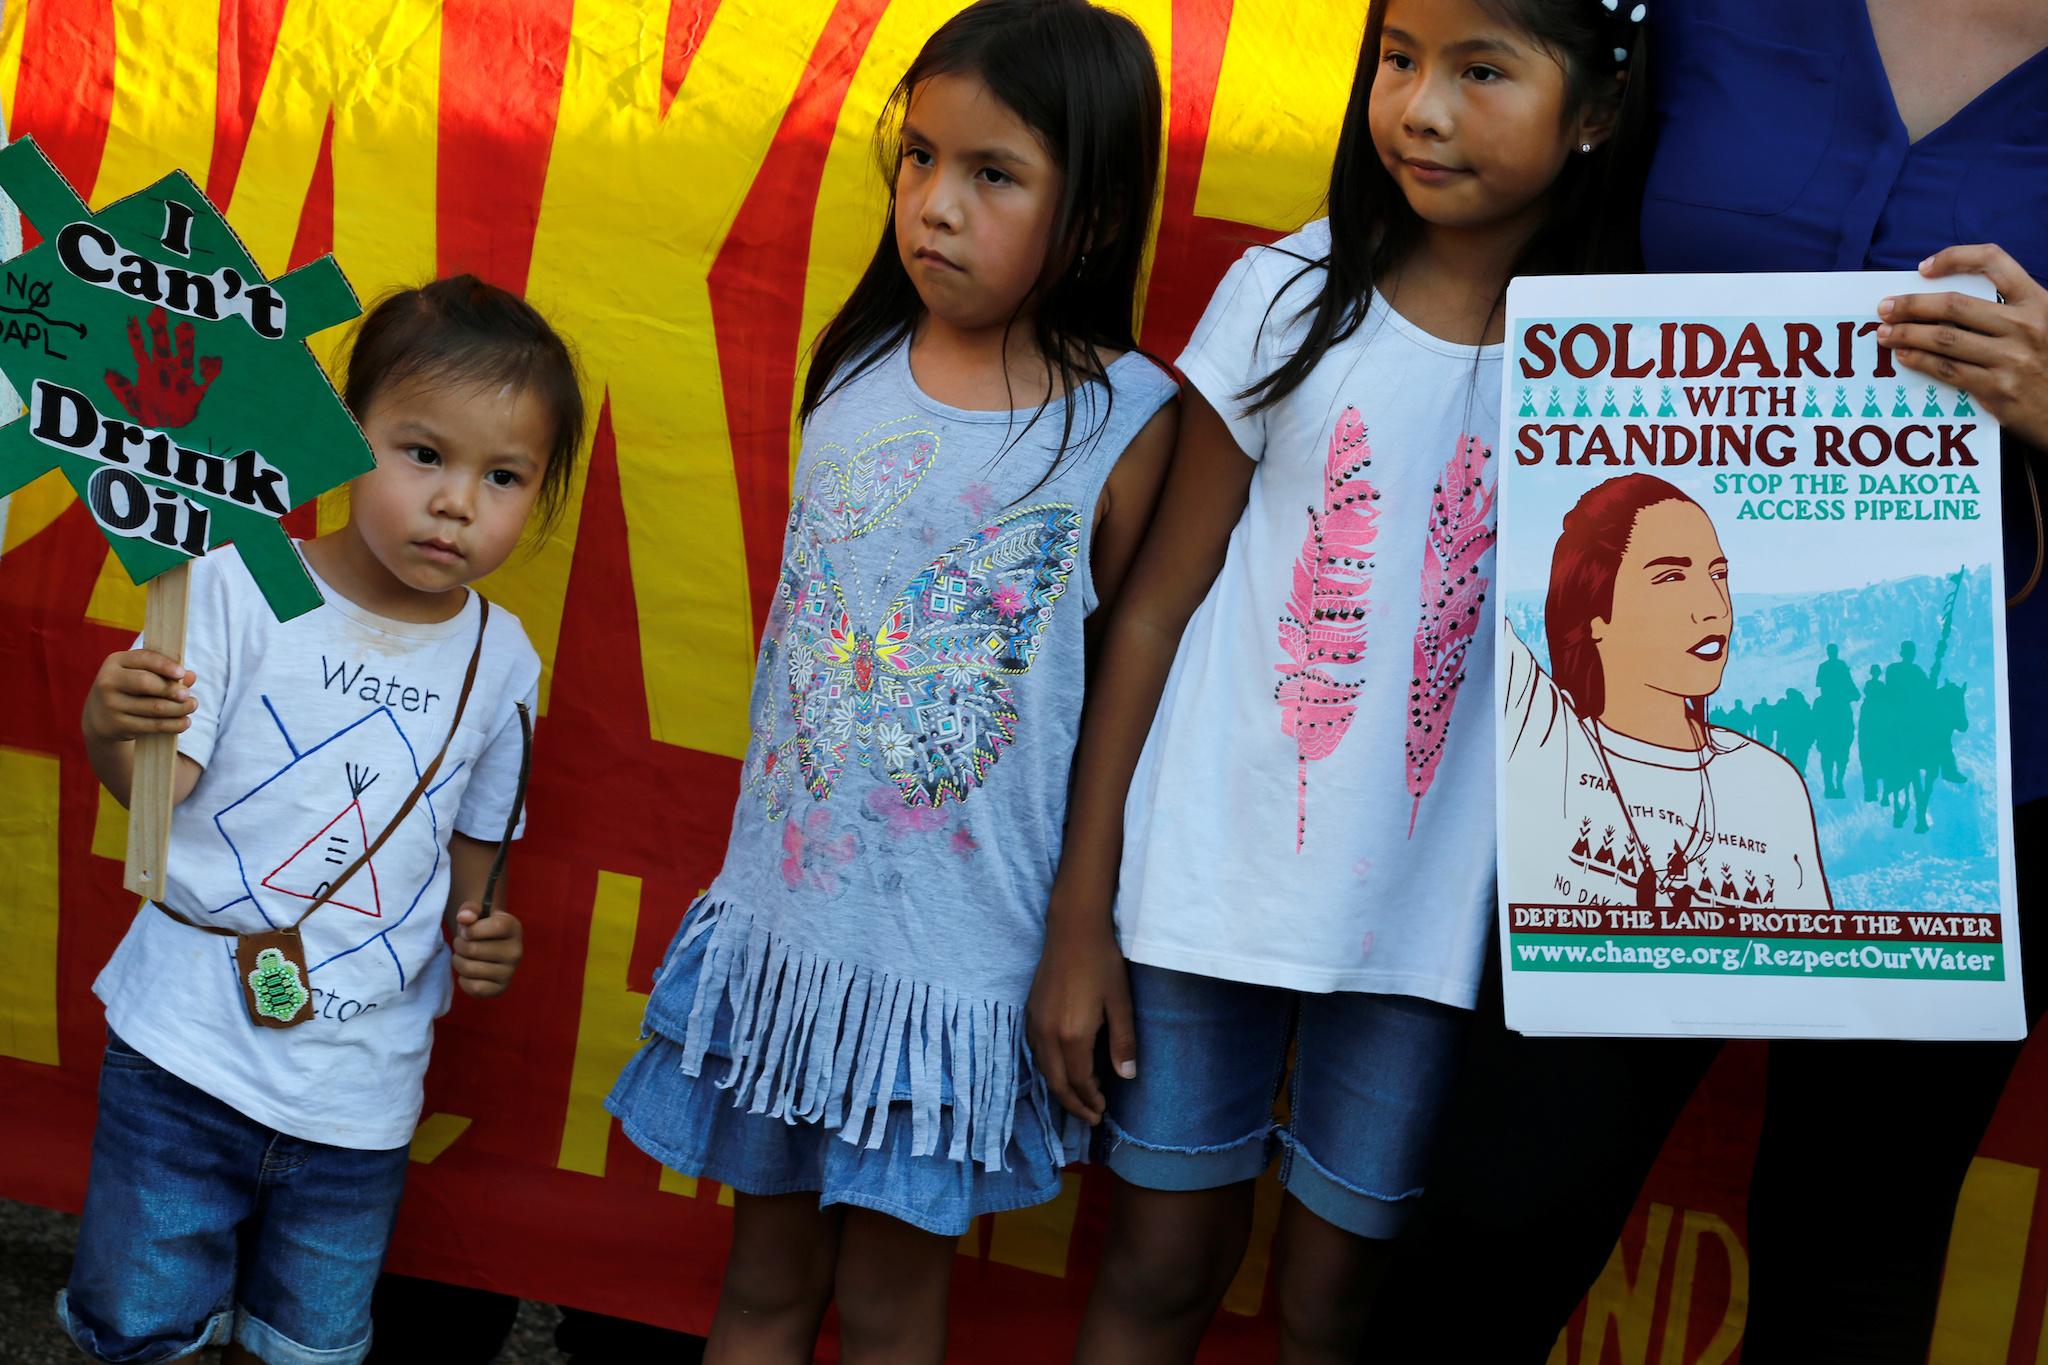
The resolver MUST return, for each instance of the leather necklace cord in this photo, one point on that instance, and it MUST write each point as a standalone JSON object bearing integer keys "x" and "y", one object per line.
{"x": 405, "y": 808}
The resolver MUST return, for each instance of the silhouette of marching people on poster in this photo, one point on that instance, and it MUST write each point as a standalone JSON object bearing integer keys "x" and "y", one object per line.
{"x": 1907, "y": 727}
{"x": 1834, "y": 719}
{"x": 1899, "y": 725}
{"x": 1794, "y": 719}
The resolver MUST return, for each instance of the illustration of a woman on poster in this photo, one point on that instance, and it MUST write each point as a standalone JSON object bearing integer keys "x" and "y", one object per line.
{"x": 1622, "y": 791}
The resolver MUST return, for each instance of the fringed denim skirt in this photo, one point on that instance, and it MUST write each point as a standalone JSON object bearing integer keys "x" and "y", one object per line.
{"x": 783, "y": 1118}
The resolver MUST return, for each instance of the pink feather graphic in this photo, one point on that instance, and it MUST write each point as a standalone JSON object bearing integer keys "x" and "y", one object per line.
{"x": 1324, "y": 623}
{"x": 1460, "y": 531}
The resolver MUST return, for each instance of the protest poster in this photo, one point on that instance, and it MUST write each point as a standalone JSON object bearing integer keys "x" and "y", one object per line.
{"x": 168, "y": 379}
{"x": 1752, "y": 744}
{"x": 171, "y": 385}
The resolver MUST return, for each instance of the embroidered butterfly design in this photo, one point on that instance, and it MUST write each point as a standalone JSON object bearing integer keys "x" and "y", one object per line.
{"x": 919, "y": 686}
{"x": 766, "y": 772}
{"x": 848, "y": 493}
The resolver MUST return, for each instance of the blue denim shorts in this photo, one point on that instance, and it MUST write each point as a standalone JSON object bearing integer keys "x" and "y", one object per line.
{"x": 203, "y": 1226}
{"x": 1370, "y": 1079}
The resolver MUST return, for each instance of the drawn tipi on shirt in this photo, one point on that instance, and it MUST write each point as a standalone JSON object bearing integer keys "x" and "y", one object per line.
{"x": 321, "y": 801}
{"x": 315, "y": 864}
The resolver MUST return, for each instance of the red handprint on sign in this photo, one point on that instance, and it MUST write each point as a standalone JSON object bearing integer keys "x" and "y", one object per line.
{"x": 165, "y": 391}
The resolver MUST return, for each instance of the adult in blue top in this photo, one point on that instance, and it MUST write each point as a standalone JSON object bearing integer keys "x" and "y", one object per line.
{"x": 1816, "y": 135}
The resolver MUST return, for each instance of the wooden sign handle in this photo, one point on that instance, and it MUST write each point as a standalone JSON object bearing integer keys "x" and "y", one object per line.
{"x": 156, "y": 756}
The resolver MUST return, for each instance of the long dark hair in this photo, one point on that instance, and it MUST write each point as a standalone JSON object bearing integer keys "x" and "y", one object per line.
{"x": 1583, "y": 568}
{"x": 1084, "y": 80}
{"x": 1596, "y": 200}
{"x": 462, "y": 331}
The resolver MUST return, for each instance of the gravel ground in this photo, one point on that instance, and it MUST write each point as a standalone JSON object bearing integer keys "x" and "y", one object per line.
{"x": 533, "y": 1336}
{"x": 35, "y": 1257}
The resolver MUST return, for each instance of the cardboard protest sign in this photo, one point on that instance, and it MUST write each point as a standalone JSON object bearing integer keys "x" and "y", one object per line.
{"x": 168, "y": 379}
{"x": 1752, "y": 746}
{"x": 171, "y": 383}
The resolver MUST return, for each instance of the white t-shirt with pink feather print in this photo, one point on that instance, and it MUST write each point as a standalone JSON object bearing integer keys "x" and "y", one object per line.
{"x": 1314, "y": 807}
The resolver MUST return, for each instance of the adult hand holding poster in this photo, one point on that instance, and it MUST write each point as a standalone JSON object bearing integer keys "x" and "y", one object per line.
{"x": 1753, "y": 775}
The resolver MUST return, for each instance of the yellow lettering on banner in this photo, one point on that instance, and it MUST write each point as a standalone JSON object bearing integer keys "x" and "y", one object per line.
{"x": 436, "y": 1134}
{"x": 1247, "y": 1292}
{"x": 1684, "y": 1274}
{"x": 608, "y": 1025}
{"x": 28, "y": 891}
{"x": 1987, "y": 1250}
{"x": 1268, "y": 157}
{"x": 117, "y": 599}
{"x": 1629, "y": 1300}
{"x": 635, "y": 211}
{"x": 376, "y": 66}
{"x": 13, "y": 34}
{"x": 31, "y": 509}
{"x": 166, "y": 82}
{"x": 110, "y": 829}
{"x": 1037, "y": 1238}
{"x": 1154, "y": 19}
{"x": 331, "y": 511}
{"x": 161, "y": 118}
{"x": 2041, "y": 1343}
{"x": 675, "y": 1182}
{"x": 852, "y": 197}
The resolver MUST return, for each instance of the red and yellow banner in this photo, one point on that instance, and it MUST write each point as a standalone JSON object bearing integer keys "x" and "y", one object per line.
{"x": 687, "y": 188}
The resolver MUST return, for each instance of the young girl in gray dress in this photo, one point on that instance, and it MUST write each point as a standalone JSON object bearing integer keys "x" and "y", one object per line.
{"x": 837, "y": 1032}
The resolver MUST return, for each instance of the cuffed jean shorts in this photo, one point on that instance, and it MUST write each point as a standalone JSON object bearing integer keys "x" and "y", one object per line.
{"x": 1370, "y": 1078}
{"x": 203, "y": 1226}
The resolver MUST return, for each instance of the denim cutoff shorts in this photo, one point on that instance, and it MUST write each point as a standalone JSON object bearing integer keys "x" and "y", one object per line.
{"x": 1370, "y": 1080}
{"x": 203, "y": 1226}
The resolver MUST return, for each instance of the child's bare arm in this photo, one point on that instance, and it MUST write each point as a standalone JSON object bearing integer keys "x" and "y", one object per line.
{"x": 1081, "y": 984}
{"x": 137, "y": 692}
{"x": 1124, "y": 514}
{"x": 487, "y": 951}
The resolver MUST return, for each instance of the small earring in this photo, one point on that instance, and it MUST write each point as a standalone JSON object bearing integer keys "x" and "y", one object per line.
{"x": 1586, "y": 148}
{"x": 1081, "y": 264}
